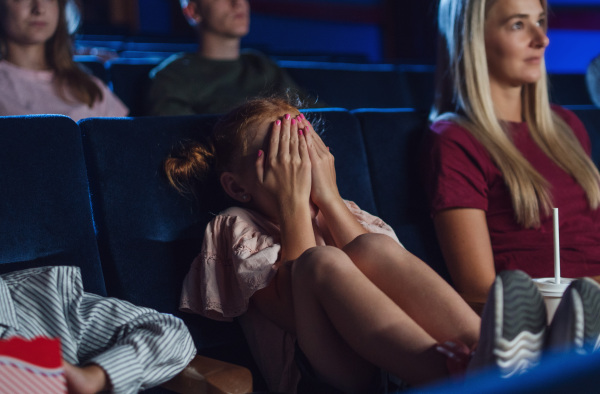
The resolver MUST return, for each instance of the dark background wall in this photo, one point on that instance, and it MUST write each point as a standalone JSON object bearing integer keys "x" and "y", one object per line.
{"x": 380, "y": 30}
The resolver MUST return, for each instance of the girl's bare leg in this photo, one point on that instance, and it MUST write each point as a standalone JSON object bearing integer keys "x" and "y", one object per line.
{"x": 419, "y": 291}
{"x": 345, "y": 324}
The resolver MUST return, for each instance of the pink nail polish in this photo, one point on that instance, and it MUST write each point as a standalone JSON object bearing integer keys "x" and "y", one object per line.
{"x": 300, "y": 132}
{"x": 293, "y": 121}
{"x": 260, "y": 153}
{"x": 302, "y": 116}
{"x": 287, "y": 116}
{"x": 278, "y": 122}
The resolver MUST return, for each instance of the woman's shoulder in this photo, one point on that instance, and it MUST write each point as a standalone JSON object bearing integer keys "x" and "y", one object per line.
{"x": 449, "y": 127}
{"x": 450, "y": 132}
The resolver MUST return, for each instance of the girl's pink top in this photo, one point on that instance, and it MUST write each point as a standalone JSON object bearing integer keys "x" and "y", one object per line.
{"x": 239, "y": 251}
{"x": 28, "y": 92}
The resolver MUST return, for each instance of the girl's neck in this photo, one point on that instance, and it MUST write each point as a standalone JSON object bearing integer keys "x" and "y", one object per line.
{"x": 508, "y": 103}
{"x": 32, "y": 57}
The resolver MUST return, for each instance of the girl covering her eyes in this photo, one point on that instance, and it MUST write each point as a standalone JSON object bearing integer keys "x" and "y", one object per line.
{"x": 314, "y": 280}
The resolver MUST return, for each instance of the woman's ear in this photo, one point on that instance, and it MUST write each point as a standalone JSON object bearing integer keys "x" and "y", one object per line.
{"x": 233, "y": 188}
{"x": 190, "y": 11}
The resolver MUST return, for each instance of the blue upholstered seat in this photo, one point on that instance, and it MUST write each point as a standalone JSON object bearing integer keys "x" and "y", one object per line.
{"x": 393, "y": 143}
{"x": 130, "y": 81}
{"x": 45, "y": 215}
{"x": 568, "y": 89}
{"x": 351, "y": 85}
{"x": 590, "y": 116}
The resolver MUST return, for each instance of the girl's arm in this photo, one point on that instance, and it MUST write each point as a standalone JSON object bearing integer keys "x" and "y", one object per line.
{"x": 285, "y": 171}
{"x": 340, "y": 222}
{"x": 465, "y": 241}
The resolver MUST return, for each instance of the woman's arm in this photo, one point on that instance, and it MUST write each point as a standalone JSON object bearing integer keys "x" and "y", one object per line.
{"x": 340, "y": 222}
{"x": 465, "y": 241}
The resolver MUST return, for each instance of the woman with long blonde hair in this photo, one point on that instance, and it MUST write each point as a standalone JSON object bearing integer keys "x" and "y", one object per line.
{"x": 38, "y": 74}
{"x": 501, "y": 156}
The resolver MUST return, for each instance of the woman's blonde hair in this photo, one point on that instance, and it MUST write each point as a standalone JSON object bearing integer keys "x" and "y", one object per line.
{"x": 463, "y": 95}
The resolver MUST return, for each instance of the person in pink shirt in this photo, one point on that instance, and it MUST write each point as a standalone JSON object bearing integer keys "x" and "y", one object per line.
{"x": 500, "y": 156}
{"x": 37, "y": 72}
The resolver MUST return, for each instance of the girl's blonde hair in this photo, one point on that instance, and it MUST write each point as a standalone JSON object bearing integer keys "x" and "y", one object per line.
{"x": 463, "y": 95}
{"x": 192, "y": 162}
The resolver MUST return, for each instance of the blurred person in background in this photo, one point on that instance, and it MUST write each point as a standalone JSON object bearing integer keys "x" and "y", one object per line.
{"x": 593, "y": 80}
{"x": 37, "y": 72}
{"x": 219, "y": 76}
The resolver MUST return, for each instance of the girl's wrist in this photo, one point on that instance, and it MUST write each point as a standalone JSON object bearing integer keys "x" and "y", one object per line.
{"x": 289, "y": 210}
{"x": 330, "y": 204}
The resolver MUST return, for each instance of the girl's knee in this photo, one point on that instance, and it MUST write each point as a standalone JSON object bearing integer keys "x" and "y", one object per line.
{"x": 373, "y": 240}
{"x": 370, "y": 244}
{"x": 320, "y": 263}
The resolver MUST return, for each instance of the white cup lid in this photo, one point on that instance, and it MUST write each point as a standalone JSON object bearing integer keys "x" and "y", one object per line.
{"x": 548, "y": 285}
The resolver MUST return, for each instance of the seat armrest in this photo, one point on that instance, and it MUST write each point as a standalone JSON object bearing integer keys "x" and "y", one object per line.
{"x": 211, "y": 376}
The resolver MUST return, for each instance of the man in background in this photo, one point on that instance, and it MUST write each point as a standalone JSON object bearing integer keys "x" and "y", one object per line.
{"x": 219, "y": 76}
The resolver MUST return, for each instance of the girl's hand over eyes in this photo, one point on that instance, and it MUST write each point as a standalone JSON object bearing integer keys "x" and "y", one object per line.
{"x": 324, "y": 188}
{"x": 285, "y": 170}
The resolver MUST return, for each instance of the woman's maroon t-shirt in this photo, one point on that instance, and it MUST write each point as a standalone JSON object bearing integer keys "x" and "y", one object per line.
{"x": 459, "y": 173}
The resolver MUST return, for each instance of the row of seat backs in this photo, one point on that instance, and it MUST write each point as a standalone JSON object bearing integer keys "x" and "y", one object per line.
{"x": 343, "y": 85}
{"x": 64, "y": 185}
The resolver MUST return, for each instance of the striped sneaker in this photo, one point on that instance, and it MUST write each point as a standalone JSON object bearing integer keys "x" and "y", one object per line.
{"x": 513, "y": 325}
{"x": 576, "y": 323}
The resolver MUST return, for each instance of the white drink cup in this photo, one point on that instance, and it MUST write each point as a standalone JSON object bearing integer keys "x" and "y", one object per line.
{"x": 552, "y": 292}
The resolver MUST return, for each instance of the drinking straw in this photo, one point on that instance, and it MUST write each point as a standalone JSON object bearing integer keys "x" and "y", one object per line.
{"x": 556, "y": 247}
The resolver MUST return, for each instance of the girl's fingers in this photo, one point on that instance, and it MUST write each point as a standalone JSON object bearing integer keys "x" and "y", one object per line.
{"x": 303, "y": 146}
{"x": 314, "y": 138}
{"x": 284, "y": 140}
{"x": 260, "y": 165}
{"x": 275, "y": 139}
{"x": 294, "y": 128}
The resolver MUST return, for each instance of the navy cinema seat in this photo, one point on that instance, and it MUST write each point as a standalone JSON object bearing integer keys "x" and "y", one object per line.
{"x": 393, "y": 140}
{"x": 45, "y": 213}
{"x": 131, "y": 82}
{"x": 568, "y": 89}
{"x": 590, "y": 116}
{"x": 93, "y": 65}
{"x": 351, "y": 85}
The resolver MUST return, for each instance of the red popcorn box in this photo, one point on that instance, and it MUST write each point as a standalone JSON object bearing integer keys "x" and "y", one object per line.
{"x": 31, "y": 366}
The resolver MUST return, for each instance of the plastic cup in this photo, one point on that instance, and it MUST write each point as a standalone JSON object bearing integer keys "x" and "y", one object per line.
{"x": 552, "y": 292}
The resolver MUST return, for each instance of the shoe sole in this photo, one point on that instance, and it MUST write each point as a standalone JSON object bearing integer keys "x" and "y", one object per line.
{"x": 585, "y": 298}
{"x": 520, "y": 316}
